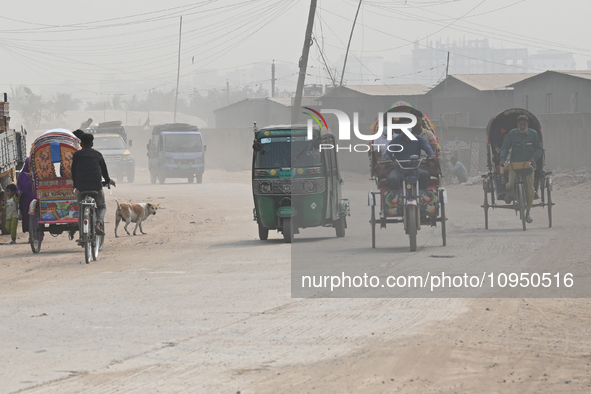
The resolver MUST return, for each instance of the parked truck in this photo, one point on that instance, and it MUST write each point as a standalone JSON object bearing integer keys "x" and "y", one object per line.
{"x": 13, "y": 150}
{"x": 176, "y": 150}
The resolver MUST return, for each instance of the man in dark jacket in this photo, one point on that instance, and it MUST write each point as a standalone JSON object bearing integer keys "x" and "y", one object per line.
{"x": 88, "y": 170}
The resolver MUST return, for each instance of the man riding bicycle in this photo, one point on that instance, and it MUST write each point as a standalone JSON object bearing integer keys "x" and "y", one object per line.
{"x": 525, "y": 147}
{"x": 88, "y": 170}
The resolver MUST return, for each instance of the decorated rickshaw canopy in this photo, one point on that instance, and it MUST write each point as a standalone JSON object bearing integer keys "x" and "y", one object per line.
{"x": 53, "y": 146}
{"x": 403, "y": 106}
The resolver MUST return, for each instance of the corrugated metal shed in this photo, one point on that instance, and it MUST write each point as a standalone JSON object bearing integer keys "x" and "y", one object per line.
{"x": 383, "y": 90}
{"x": 484, "y": 82}
{"x": 583, "y": 74}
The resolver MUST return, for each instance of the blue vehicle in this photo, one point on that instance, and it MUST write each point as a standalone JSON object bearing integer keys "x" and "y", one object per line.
{"x": 176, "y": 150}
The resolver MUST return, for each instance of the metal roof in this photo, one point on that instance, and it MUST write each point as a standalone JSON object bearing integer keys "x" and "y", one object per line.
{"x": 285, "y": 101}
{"x": 384, "y": 90}
{"x": 583, "y": 74}
{"x": 485, "y": 82}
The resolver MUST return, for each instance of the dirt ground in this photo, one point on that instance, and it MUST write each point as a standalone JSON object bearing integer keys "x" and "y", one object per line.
{"x": 200, "y": 305}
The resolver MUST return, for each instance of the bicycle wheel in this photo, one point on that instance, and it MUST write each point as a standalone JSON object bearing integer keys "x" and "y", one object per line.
{"x": 549, "y": 197}
{"x": 444, "y": 218}
{"x": 411, "y": 223}
{"x": 87, "y": 235}
{"x": 522, "y": 202}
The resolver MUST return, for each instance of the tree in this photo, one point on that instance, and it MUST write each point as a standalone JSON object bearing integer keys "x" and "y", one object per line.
{"x": 98, "y": 106}
{"x": 31, "y": 107}
{"x": 61, "y": 103}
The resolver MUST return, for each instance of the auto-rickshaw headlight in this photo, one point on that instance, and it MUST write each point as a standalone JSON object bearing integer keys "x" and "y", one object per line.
{"x": 309, "y": 186}
{"x": 265, "y": 187}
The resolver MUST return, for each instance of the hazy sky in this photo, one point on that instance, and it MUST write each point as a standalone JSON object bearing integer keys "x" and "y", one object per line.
{"x": 72, "y": 46}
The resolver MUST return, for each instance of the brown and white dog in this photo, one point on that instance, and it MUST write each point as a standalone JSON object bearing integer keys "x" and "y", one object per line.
{"x": 135, "y": 213}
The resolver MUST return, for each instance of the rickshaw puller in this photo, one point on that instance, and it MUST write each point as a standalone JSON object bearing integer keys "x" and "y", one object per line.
{"x": 88, "y": 169}
{"x": 409, "y": 148}
{"x": 525, "y": 146}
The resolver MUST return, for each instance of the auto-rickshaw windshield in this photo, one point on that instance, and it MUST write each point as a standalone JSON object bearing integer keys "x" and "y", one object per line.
{"x": 279, "y": 152}
{"x": 183, "y": 142}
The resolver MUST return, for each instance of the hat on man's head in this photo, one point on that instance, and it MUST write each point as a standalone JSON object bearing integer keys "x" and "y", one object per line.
{"x": 78, "y": 133}
{"x": 86, "y": 138}
{"x": 522, "y": 118}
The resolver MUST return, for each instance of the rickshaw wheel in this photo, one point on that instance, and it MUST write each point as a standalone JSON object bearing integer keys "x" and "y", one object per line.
{"x": 153, "y": 177}
{"x": 199, "y": 177}
{"x": 190, "y": 178}
{"x": 549, "y": 196}
{"x": 263, "y": 233}
{"x": 340, "y": 227}
{"x": 161, "y": 177}
{"x": 372, "y": 221}
{"x": 521, "y": 201}
{"x": 411, "y": 221}
{"x": 443, "y": 219}
{"x": 35, "y": 235}
{"x": 287, "y": 230}
{"x": 485, "y": 206}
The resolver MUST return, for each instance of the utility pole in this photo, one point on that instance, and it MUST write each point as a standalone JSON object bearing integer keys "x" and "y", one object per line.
{"x": 295, "y": 109}
{"x": 273, "y": 79}
{"x": 178, "y": 71}
{"x": 227, "y": 92}
{"x": 446, "y": 73}
{"x": 349, "y": 43}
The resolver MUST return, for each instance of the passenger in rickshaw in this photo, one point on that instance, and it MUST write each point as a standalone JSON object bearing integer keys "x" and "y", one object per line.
{"x": 409, "y": 148}
{"x": 525, "y": 146}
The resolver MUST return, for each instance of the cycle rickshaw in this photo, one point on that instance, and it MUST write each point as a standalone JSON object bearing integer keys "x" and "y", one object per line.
{"x": 494, "y": 182}
{"x": 55, "y": 208}
{"x": 410, "y": 205}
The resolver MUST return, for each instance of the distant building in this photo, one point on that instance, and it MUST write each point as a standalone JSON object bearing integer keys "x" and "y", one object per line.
{"x": 264, "y": 111}
{"x": 552, "y": 60}
{"x": 468, "y": 57}
{"x": 478, "y": 97}
{"x": 369, "y": 100}
{"x": 554, "y": 92}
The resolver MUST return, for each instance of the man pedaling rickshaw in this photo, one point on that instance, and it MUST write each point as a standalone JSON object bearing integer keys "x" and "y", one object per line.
{"x": 525, "y": 147}
{"x": 409, "y": 148}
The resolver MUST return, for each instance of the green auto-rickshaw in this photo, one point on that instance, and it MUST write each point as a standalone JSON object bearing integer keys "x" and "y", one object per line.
{"x": 296, "y": 181}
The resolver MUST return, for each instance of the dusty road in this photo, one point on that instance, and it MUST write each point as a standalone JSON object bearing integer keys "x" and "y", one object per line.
{"x": 199, "y": 305}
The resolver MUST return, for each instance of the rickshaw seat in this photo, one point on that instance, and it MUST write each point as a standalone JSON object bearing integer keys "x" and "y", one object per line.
{"x": 91, "y": 193}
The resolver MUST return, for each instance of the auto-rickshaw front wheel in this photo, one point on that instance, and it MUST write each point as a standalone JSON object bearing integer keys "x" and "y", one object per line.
{"x": 263, "y": 232}
{"x": 287, "y": 230}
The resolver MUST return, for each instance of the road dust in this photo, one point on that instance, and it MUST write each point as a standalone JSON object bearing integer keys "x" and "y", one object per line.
{"x": 200, "y": 305}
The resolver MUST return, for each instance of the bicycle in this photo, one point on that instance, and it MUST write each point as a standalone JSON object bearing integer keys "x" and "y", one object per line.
{"x": 89, "y": 240}
{"x": 520, "y": 201}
